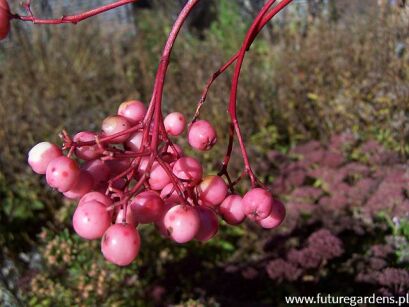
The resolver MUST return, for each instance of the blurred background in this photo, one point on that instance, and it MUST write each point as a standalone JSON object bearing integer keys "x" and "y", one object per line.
{"x": 324, "y": 102}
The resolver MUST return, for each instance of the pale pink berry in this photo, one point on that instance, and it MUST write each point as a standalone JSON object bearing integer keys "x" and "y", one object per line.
{"x": 99, "y": 171}
{"x": 120, "y": 244}
{"x": 275, "y": 217}
{"x": 116, "y": 124}
{"x": 95, "y": 196}
{"x": 158, "y": 177}
{"x": 169, "y": 193}
{"x": 84, "y": 184}
{"x": 134, "y": 111}
{"x": 188, "y": 168}
{"x": 174, "y": 123}
{"x": 257, "y": 204}
{"x": 209, "y": 225}
{"x": 62, "y": 173}
{"x": 87, "y": 152}
{"x": 212, "y": 190}
{"x": 182, "y": 223}
{"x": 147, "y": 207}
{"x": 41, "y": 155}
{"x": 159, "y": 224}
{"x": 91, "y": 220}
{"x": 176, "y": 150}
{"x": 231, "y": 209}
{"x": 202, "y": 135}
{"x": 134, "y": 142}
{"x": 130, "y": 217}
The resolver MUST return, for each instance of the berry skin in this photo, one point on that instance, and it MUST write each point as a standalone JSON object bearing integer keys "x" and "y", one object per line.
{"x": 82, "y": 186}
{"x": 4, "y": 19}
{"x": 231, "y": 209}
{"x": 158, "y": 177}
{"x": 41, "y": 155}
{"x": 159, "y": 224}
{"x": 130, "y": 217}
{"x": 87, "y": 152}
{"x": 209, "y": 225}
{"x": 96, "y": 196}
{"x": 117, "y": 166}
{"x": 120, "y": 244}
{"x": 147, "y": 207}
{"x": 134, "y": 111}
{"x": 91, "y": 220}
{"x": 212, "y": 190}
{"x": 99, "y": 171}
{"x": 182, "y": 223}
{"x": 202, "y": 135}
{"x": 174, "y": 123}
{"x": 276, "y": 216}
{"x": 188, "y": 168}
{"x": 257, "y": 204}
{"x": 169, "y": 194}
{"x": 135, "y": 141}
{"x": 115, "y": 124}
{"x": 62, "y": 173}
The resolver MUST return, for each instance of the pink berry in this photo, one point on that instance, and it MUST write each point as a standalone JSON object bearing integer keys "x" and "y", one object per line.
{"x": 159, "y": 224}
{"x": 169, "y": 193}
{"x": 134, "y": 111}
{"x": 87, "y": 152}
{"x": 176, "y": 150}
{"x": 91, "y": 220}
{"x": 83, "y": 185}
{"x": 231, "y": 209}
{"x": 134, "y": 142}
{"x": 99, "y": 171}
{"x": 147, "y": 207}
{"x": 209, "y": 225}
{"x": 188, "y": 168}
{"x": 41, "y": 155}
{"x": 117, "y": 166}
{"x": 257, "y": 204}
{"x": 116, "y": 124}
{"x": 202, "y": 135}
{"x": 120, "y": 244}
{"x": 276, "y": 216}
{"x": 212, "y": 190}
{"x": 174, "y": 123}
{"x": 158, "y": 177}
{"x": 62, "y": 173}
{"x": 143, "y": 165}
{"x": 95, "y": 196}
{"x": 182, "y": 223}
{"x": 130, "y": 217}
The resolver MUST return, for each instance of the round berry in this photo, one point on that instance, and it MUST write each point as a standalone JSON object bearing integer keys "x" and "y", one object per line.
{"x": 209, "y": 225}
{"x": 99, "y": 171}
{"x": 147, "y": 207}
{"x": 134, "y": 111}
{"x": 169, "y": 193}
{"x": 159, "y": 224}
{"x": 87, "y": 152}
{"x": 116, "y": 124}
{"x": 158, "y": 177}
{"x": 231, "y": 209}
{"x": 41, "y": 155}
{"x": 212, "y": 190}
{"x": 62, "y": 173}
{"x": 134, "y": 142}
{"x": 276, "y": 216}
{"x": 202, "y": 136}
{"x": 120, "y": 244}
{"x": 96, "y": 196}
{"x": 91, "y": 220}
{"x": 174, "y": 123}
{"x": 82, "y": 186}
{"x": 182, "y": 223}
{"x": 257, "y": 204}
{"x": 188, "y": 168}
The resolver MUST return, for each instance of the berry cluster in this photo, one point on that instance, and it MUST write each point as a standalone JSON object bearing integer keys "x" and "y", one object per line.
{"x": 119, "y": 186}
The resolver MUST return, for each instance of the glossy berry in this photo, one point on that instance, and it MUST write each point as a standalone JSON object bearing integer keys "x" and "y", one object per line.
{"x": 202, "y": 135}
{"x": 96, "y": 196}
{"x": 4, "y": 19}
{"x": 91, "y": 220}
{"x": 182, "y": 223}
{"x": 62, "y": 173}
{"x": 158, "y": 177}
{"x": 276, "y": 216}
{"x": 120, "y": 244}
{"x": 83, "y": 185}
{"x": 212, "y": 190}
{"x": 116, "y": 124}
{"x": 231, "y": 209}
{"x": 135, "y": 141}
{"x": 159, "y": 224}
{"x": 169, "y": 194}
{"x": 147, "y": 207}
{"x": 188, "y": 168}
{"x": 134, "y": 111}
{"x": 209, "y": 225}
{"x": 174, "y": 123}
{"x": 87, "y": 152}
{"x": 257, "y": 204}
{"x": 41, "y": 155}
